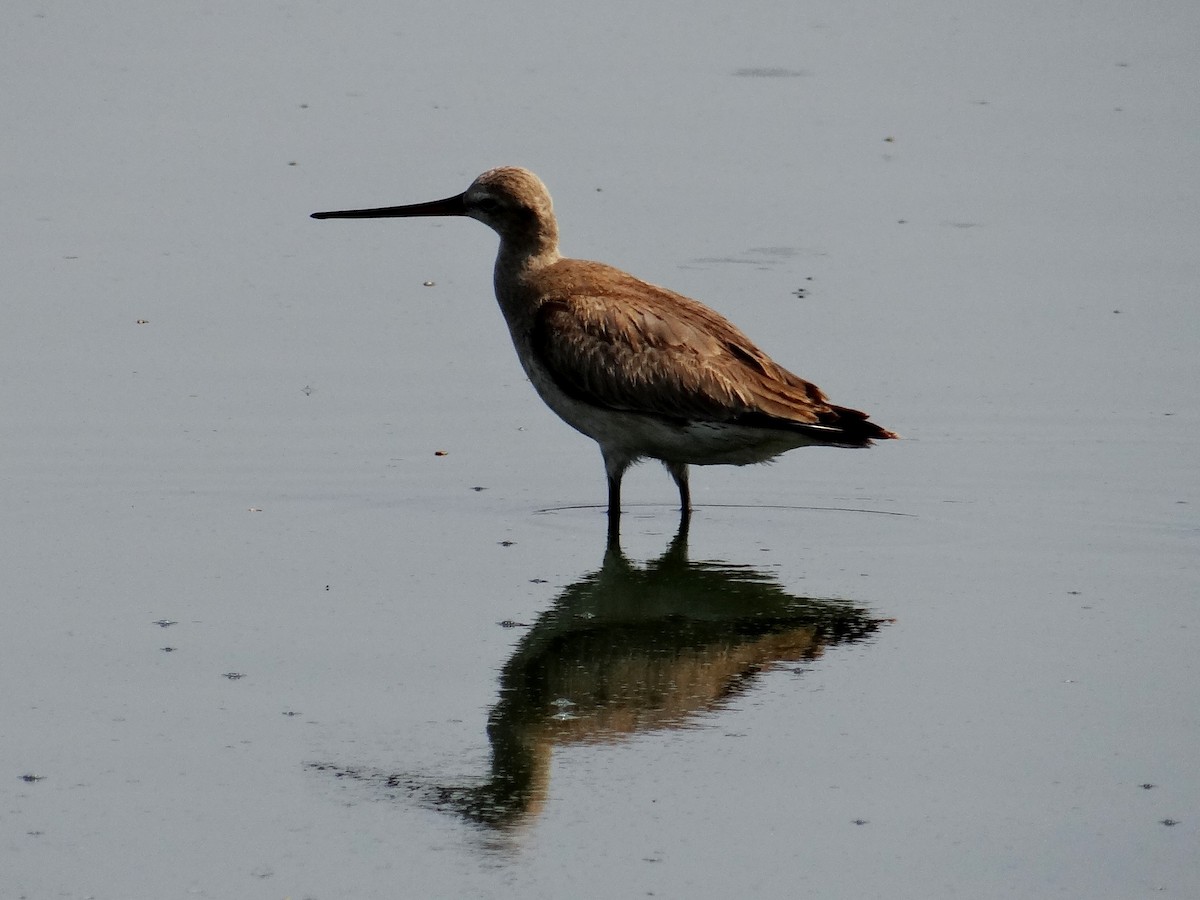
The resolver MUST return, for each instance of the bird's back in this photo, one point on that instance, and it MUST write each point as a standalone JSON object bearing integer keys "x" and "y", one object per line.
{"x": 614, "y": 341}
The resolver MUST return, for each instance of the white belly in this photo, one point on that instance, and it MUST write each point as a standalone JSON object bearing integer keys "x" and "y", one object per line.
{"x": 636, "y": 436}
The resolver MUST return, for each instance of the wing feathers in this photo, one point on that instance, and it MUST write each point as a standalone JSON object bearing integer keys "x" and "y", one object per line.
{"x": 635, "y": 347}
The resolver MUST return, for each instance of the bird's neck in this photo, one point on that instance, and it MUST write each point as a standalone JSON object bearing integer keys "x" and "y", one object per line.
{"x": 535, "y": 239}
{"x": 516, "y": 278}
{"x": 522, "y": 256}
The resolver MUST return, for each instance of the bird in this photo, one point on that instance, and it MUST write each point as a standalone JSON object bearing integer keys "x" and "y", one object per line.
{"x": 645, "y": 372}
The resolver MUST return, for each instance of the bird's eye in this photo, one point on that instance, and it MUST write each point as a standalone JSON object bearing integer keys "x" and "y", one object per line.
{"x": 487, "y": 204}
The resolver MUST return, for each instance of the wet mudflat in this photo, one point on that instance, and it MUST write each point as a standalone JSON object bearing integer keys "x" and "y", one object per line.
{"x": 308, "y": 596}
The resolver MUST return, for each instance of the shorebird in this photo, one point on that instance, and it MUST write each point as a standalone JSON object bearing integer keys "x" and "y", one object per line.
{"x": 643, "y": 371}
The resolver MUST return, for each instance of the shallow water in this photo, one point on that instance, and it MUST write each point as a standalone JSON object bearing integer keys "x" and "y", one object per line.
{"x": 308, "y": 596}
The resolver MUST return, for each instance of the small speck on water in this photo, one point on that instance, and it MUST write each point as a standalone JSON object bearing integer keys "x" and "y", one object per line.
{"x": 233, "y": 676}
{"x": 1168, "y": 822}
{"x": 164, "y": 623}
{"x": 30, "y": 778}
{"x": 428, "y": 283}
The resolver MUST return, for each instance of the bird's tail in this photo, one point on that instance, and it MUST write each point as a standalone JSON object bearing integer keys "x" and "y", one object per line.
{"x": 836, "y": 426}
{"x": 852, "y": 428}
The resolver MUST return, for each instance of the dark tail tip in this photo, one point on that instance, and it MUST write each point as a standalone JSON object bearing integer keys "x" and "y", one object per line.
{"x": 856, "y": 428}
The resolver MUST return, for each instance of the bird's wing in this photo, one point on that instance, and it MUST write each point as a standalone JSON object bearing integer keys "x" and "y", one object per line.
{"x": 635, "y": 347}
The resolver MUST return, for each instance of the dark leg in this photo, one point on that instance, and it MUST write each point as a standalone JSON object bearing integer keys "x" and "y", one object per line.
{"x": 615, "y": 467}
{"x": 614, "y": 509}
{"x": 679, "y": 471}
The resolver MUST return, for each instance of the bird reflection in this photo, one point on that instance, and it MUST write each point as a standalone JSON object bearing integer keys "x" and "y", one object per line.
{"x": 631, "y": 649}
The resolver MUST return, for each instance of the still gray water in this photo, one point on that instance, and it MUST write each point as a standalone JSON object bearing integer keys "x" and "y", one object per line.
{"x": 308, "y": 595}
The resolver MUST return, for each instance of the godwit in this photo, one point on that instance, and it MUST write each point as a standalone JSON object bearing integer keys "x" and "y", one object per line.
{"x": 643, "y": 371}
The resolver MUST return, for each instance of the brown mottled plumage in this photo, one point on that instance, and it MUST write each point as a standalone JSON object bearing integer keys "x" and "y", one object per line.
{"x": 645, "y": 372}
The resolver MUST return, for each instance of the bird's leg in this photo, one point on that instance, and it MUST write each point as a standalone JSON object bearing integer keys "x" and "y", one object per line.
{"x": 614, "y": 508}
{"x": 679, "y": 471}
{"x": 615, "y": 514}
{"x": 615, "y": 466}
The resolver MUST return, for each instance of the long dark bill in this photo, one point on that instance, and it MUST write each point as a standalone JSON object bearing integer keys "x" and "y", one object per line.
{"x": 451, "y": 206}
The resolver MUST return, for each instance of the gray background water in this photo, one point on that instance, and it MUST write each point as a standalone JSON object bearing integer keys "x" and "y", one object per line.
{"x": 223, "y": 414}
